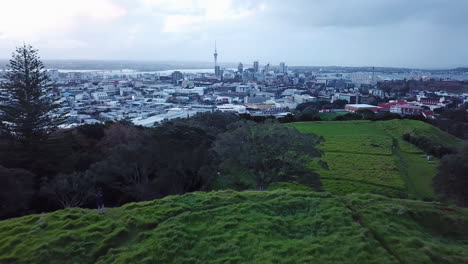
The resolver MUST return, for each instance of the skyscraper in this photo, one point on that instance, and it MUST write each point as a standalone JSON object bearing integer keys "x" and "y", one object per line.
{"x": 217, "y": 71}
{"x": 282, "y": 67}
{"x": 240, "y": 67}
{"x": 255, "y": 66}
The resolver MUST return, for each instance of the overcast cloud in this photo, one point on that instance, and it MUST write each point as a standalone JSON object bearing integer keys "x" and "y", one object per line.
{"x": 401, "y": 33}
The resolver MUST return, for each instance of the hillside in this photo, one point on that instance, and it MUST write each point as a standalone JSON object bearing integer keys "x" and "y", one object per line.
{"x": 365, "y": 156}
{"x": 281, "y": 226}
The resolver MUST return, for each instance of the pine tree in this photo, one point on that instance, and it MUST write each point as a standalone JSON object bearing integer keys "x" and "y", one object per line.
{"x": 28, "y": 112}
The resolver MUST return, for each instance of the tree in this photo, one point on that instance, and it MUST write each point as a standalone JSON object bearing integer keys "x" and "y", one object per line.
{"x": 309, "y": 113}
{"x": 27, "y": 114}
{"x": 366, "y": 114}
{"x": 120, "y": 133}
{"x": 16, "y": 191}
{"x": 69, "y": 190}
{"x": 339, "y": 104}
{"x": 268, "y": 151}
{"x": 451, "y": 181}
{"x": 170, "y": 159}
{"x": 212, "y": 123}
{"x": 129, "y": 171}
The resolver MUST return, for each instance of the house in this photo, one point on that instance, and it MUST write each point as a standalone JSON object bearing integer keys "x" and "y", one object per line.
{"x": 385, "y": 107}
{"x": 350, "y": 97}
{"x": 407, "y": 109}
{"x": 428, "y": 114}
{"x": 429, "y": 101}
{"x": 100, "y": 96}
{"x": 232, "y": 108}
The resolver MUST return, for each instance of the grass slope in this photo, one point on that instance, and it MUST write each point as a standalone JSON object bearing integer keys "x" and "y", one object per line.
{"x": 365, "y": 156}
{"x": 281, "y": 226}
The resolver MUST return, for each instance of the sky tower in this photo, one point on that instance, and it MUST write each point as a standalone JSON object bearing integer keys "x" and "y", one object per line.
{"x": 216, "y": 67}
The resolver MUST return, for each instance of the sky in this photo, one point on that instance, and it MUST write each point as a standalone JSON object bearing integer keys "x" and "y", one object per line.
{"x": 396, "y": 33}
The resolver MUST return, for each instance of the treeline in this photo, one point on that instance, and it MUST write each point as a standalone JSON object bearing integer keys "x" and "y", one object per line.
{"x": 404, "y": 86}
{"x": 131, "y": 163}
{"x": 424, "y": 143}
{"x": 453, "y": 120}
{"x": 451, "y": 181}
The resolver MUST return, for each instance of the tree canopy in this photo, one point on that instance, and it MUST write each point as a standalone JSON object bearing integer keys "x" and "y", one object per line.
{"x": 269, "y": 151}
{"x": 451, "y": 181}
{"x": 27, "y": 113}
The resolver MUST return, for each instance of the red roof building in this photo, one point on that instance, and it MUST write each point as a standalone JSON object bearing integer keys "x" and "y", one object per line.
{"x": 407, "y": 109}
{"x": 429, "y": 101}
{"x": 385, "y": 107}
{"x": 428, "y": 114}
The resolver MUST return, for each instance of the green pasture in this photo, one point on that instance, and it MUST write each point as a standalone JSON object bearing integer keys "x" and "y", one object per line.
{"x": 374, "y": 155}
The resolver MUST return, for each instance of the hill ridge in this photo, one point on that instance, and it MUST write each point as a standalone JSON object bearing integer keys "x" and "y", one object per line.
{"x": 283, "y": 226}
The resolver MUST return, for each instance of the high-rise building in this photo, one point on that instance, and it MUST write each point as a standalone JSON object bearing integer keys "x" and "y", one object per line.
{"x": 282, "y": 67}
{"x": 255, "y": 66}
{"x": 266, "y": 69}
{"x": 216, "y": 67}
{"x": 176, "y": 77}
{"x": 240, "y": 67}
{"x": 218, "y": 71}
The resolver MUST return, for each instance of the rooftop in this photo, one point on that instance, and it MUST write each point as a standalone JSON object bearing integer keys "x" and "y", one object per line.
{"x": 362, "y": 106}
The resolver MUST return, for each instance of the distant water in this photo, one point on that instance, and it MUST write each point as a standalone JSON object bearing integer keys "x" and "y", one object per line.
{"x": 381, "y": 76}
{"x": 133, "y": 72}
{"x": 169, "y": 72}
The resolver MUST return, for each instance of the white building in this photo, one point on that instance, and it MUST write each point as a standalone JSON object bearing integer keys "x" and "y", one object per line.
{"x": 232, "y": 108}
{"x": 99, "y": 96}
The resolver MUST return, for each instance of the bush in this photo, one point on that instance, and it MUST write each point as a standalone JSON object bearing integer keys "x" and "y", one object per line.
{"x": 451, "y": 181}
{"x": 428, "y": 146}
{"x": 16, "y": 191}
{"x": 347, "y": 117}
{"x": 385, "y": 116}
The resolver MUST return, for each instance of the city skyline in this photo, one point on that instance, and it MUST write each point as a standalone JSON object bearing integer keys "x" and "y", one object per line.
{"x": 419, "y": 34}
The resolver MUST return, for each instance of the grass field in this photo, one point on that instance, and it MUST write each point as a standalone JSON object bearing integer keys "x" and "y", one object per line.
{"x": 281, "y": 226}
{"x": 373, "y": 156}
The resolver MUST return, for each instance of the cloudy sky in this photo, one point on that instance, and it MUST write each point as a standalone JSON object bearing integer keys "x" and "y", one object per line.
{"x": 401, "y": 33}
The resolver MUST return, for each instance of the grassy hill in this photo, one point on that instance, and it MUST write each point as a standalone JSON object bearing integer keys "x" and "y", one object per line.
{"x": 365, "y": 156}
{"x": 281, "y": 226}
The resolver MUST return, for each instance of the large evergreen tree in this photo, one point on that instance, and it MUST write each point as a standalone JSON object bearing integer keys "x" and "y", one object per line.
{"x": 28, "y": 113}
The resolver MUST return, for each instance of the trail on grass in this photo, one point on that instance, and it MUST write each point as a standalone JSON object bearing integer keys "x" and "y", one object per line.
{"x": 375, "y": 235}
{"x": 404, "y": 167}
{"x": 357, "y": 152}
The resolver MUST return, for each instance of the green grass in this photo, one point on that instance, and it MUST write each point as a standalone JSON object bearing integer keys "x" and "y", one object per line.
{"x": 343, "y": 186}
{"x": 371, "y": 169}
{"x": 399, "y": 127}
{"x": 282, "y": 226}
{"x": 289, "y": 185}
{"x": 361, "y": 154}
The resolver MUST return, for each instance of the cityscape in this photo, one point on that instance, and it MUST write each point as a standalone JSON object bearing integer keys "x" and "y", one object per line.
{"x": 151, "y": 97}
